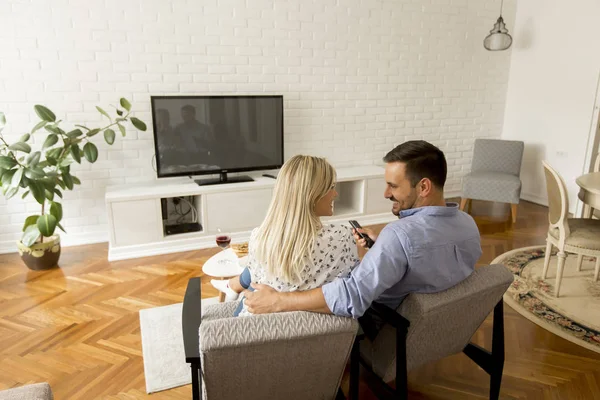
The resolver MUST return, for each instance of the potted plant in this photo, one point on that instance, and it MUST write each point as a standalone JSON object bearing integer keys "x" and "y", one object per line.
{"x": 45, "y": 173}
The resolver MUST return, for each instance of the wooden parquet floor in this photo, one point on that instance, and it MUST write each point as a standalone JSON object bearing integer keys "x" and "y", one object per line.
{"x": 77, "y": 327}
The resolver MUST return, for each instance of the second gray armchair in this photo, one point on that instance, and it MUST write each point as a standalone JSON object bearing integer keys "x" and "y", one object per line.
{"x": 495, "y": 173}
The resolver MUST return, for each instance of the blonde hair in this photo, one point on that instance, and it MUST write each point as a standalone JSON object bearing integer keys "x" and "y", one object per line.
{"x": 285, "y": 240}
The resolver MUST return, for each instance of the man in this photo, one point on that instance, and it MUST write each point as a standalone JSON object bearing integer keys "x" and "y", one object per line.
{"x": 432, "y": 247}
{"x": 196, "y": 137}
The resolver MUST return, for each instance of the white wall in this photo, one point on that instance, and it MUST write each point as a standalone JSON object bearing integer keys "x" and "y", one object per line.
{"x": 358, "y": 77}
{"x": 555, "y": 65}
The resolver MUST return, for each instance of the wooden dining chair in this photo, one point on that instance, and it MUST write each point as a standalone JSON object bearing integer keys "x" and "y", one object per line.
{"x": 580, "y": 236}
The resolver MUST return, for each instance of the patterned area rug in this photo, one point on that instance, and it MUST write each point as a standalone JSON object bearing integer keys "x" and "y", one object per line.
{"x": 575, "y": 315}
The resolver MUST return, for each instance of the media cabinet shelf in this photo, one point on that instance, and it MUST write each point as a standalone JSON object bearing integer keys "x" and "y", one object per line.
{"x": 135, "y": 216}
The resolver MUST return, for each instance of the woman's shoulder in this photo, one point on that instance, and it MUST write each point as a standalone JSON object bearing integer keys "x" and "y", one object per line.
{"x": 334, "y": 231}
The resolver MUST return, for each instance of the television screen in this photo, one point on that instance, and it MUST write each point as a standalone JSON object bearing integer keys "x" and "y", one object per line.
{"x": 196, "y": 135}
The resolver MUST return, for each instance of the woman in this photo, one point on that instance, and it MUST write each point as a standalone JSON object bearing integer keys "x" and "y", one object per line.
{"x": 292, "y": 250}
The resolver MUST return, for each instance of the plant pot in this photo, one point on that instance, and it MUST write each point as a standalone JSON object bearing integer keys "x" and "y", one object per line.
{"x": 41, "y": 256}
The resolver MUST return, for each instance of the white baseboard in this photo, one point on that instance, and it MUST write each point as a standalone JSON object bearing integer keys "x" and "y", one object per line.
{"x": 534, "y": 198}
{"x": 66, "y": 240}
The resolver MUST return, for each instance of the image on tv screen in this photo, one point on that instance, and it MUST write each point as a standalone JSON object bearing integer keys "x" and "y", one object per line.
{"x": 202, "y": 135}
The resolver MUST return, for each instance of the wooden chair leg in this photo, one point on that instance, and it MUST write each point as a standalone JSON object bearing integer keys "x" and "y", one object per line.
{"x": 513, "y": 212}
{"x": 597, "y": 269}
{"x": 463, "y": 203}
{"x": 547, "y": 258}
{"x": 579, "y": 261}
{"x": 562, "y": 257}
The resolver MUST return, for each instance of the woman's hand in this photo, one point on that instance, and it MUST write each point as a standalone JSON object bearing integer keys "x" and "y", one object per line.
{"x": 362, "y": 242}
{"x": 263, "y": 300}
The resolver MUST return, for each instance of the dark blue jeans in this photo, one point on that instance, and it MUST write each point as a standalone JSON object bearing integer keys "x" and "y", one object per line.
{"x": 245, "y": 281}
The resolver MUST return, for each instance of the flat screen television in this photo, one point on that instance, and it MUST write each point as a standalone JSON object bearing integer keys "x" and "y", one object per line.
{"x": 200, "y": 135}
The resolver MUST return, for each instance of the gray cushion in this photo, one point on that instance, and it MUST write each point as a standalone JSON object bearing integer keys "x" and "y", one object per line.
{"x": 441, "y": 323}
{"x": 37, "y": 391}
{"x": 492, "y": 186}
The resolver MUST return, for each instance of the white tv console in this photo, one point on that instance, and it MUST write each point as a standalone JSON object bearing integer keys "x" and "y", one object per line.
{"x": 135, "y": 220}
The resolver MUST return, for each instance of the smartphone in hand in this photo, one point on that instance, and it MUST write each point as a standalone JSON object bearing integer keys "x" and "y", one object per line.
{"x": 356, "y": 226}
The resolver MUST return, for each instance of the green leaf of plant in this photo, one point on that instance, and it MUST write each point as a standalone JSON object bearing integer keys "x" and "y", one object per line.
{"x": 38, "y": 191}
{"x": 50, "y": 141}
{"x": 138, "y": 124}
{"x": 68, "y": 180}
{"x": 109, "y": 136}
{"x": 48, "y": 184}
{"x": 83, "y": 126}
{"x": 75, "y": 180}
{"x": 11, "y": 192}
{"x": 20, "y": 146}
{"x": 122, "y": 129}
{"x": 103, "y": 112}
{"x": 44, "y": 113}
{"x": 25, "y": 194}
{"x": 90, "y": 151}
{"x": 125, "y": 104}
{"x": 7, "y": 162}
{"x": 16, "y": 179}
{"x": 7, "y": 177}
{"x": 34, "y": 158}
{"x": 52, "y": 129}
{"x": 92, "y": 132}
{"x": 75, "y": 153}
{"x": 75, "y": 133}
{"x": 58, "y": 192}
{"x": 47, "y": 224}
{"x": 32, "y": 233}
{"x": 51, "y": 160}
{"x": 31, "y": 220}
{"x": 61, "y": 184}
{"x": 56, "y": 152}
{"x": 2, "y": 119}
{"x": 34, "y": 173}
{"x": 49, "y": 195}
{"x": 25, "y": 137}
{"x": 56, "y": 210}
{"x": 119, "y": 113}
{"x": 38, "y": 126}
{"x": 61, "y": 228}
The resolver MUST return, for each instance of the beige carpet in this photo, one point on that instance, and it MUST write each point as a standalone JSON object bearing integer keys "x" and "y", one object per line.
{"x": 575, "y": 315}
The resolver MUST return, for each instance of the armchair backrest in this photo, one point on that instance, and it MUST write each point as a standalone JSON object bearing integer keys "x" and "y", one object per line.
{"x": 294, "y": 355}
{"x": 496, "y": 155}
{"x": 558, "y": 202}
{"x": 441, "y": 324}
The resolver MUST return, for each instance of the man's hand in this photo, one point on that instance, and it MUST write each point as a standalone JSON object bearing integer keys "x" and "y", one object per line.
{"x": 363, "y": 242}
{"x": 263, "y": 300}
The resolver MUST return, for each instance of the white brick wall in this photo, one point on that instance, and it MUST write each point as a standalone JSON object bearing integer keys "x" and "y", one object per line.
{"x": 358, "y": 77}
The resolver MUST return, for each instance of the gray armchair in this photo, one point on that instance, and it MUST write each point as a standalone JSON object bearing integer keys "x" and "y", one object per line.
{"x": 428, "y": 327}
{"x": 495, "y": 173}
{"x": 295, "y": 355}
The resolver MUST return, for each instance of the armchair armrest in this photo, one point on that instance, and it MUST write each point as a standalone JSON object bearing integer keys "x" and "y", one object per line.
{"x": 190, "y": 321}
{"x": 260, "y": 329}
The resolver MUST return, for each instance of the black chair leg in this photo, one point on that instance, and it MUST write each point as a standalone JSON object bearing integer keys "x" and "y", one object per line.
{"x": 196, "y": 383}
{"x": 354, "y": 370}
{"x": 495, "y": 383}
{"x": 401, "y": 370}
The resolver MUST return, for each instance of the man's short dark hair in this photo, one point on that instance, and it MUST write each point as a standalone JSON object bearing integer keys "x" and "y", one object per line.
{"x": 190, "y": 108}
{"x": 422, "y": 160}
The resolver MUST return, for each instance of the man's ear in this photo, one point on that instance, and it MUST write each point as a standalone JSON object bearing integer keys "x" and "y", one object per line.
{"x": 425, "y": 187}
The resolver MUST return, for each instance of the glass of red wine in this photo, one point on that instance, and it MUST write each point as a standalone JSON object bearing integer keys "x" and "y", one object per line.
{"x": 223, "y": 239}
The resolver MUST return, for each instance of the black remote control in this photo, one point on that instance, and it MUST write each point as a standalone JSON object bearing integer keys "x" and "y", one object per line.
{"x": 357, "y": 226}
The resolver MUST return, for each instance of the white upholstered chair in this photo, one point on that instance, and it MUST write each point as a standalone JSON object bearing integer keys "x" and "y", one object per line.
{"x": 574, "y": 235}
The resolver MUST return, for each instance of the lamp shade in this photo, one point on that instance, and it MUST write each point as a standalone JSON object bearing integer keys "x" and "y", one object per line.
{"x": 498, "y": 39}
